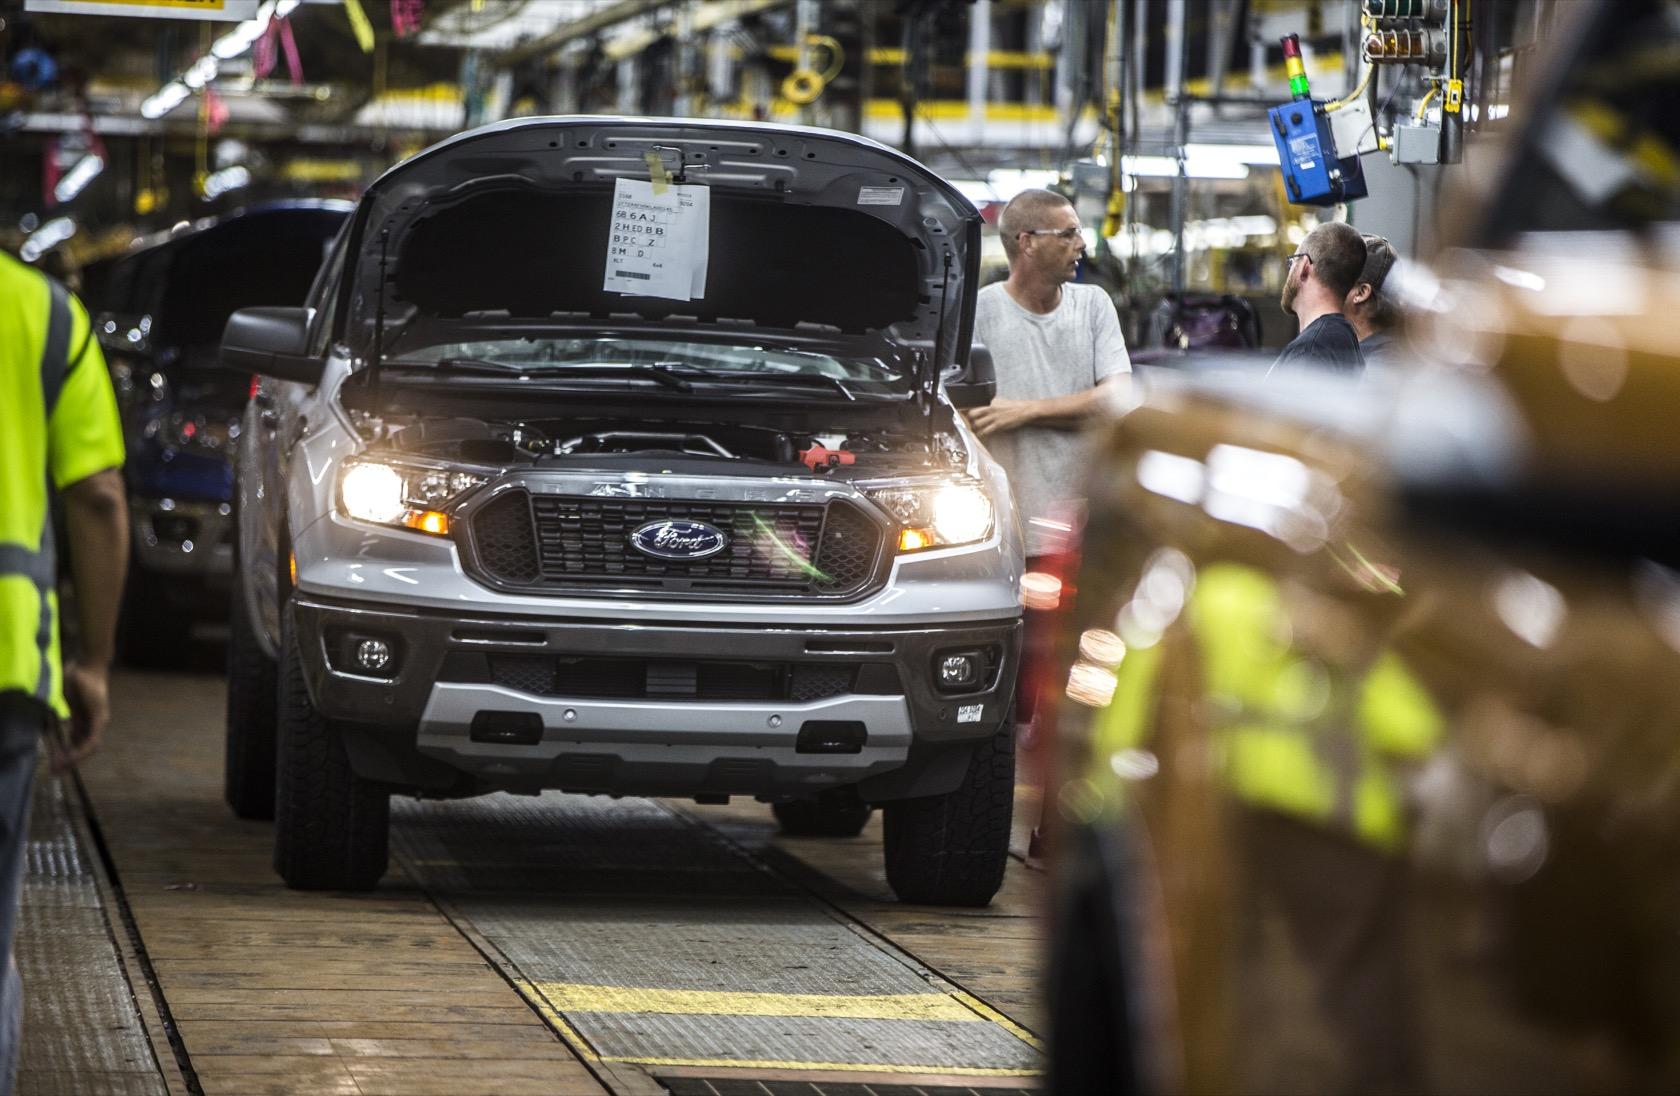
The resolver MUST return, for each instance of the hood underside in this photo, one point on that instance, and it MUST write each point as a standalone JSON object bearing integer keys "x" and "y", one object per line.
{"x": 807, "y": 228}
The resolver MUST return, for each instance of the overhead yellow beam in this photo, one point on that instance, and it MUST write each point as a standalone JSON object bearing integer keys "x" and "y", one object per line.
{"x": 891, "y": 55}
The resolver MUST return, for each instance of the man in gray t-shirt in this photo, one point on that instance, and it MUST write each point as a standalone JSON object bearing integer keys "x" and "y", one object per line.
{"x": 1054, "y": 344}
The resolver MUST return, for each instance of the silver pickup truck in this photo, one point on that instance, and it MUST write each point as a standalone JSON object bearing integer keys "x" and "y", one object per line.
{"x": 503, "y": 529}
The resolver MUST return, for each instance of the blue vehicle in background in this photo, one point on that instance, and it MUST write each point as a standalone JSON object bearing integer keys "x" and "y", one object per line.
{"x": 159, "y": 310}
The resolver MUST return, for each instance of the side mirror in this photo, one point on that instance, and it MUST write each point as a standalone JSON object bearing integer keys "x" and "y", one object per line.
{"x": 271, "y": 341}
{"x": 975, "y": 386}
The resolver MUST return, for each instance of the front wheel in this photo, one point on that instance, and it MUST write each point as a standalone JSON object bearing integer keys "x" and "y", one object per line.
{"x": 154, "y": 630}
{"x": 248, "y": 767}
{"x": 951, "y": 850}
{"x": 331, "y": 827}
{"x": 826, "y": 816}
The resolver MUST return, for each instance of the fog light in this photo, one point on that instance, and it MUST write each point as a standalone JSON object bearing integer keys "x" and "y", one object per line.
{"x": 372, "y": 655}
{"x": 959, "y": 671}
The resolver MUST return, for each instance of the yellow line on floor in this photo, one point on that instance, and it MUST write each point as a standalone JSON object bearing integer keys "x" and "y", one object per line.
{"x": 847, "y": 1067}
{"x": 987, "y": 1012}
{"x": 546, "y": 1009}
{"x": 570, "y": 997}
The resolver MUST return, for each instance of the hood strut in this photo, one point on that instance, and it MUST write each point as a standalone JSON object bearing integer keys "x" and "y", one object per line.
{"x": 927, "y": 390}
{"x": 379, "y": 305}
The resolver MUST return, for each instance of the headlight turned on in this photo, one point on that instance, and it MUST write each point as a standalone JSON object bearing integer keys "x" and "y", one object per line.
{"x": 406, "y": 497}
{"x": 938, "y": 515}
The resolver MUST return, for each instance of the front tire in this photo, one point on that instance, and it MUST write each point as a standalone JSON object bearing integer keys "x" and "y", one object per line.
{"x": 155, "y": 630}
{"x": 331, "y": 827}
{"x": 253, "y": 682}
{"x": 825, "y": 816}
{"x": 951, "y": 850}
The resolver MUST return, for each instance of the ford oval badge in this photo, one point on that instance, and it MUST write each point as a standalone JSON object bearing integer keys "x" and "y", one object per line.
{"x": 679, "y": 540}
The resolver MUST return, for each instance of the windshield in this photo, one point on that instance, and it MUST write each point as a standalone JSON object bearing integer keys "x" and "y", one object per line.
{"x": 691, "y": 360}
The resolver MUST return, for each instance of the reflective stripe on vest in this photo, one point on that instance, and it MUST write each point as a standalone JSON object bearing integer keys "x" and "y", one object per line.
{"x": 55, "y": 355}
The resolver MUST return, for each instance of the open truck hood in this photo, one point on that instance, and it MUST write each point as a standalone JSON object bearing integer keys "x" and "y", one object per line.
{"x": 811, "y": 231}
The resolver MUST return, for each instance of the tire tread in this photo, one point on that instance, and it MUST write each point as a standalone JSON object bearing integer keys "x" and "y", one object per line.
{"x": 331, "y": 827}
{"x": 952, "y": 849}
{"x": 248, "y": 772}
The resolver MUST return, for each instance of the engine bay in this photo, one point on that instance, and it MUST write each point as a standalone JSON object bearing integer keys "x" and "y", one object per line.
{"x": 650, "y": 446}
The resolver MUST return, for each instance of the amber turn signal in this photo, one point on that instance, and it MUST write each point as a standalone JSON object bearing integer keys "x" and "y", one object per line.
{"x": 428, "y": 521}
{"x": 912, "y": 539}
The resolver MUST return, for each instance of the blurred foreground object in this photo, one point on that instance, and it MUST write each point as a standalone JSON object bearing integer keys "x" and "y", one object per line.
{"x": 1365, "y": 757}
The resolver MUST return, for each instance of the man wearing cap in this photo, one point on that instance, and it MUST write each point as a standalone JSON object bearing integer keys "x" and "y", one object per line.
{"x": 1374, "y": 314}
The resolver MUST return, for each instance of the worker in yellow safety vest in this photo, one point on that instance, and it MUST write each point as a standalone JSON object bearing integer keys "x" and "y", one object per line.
{"x": 1308, "y": 717}
{"x": 58, "y": 431}
{"x": 1297, "y": 733}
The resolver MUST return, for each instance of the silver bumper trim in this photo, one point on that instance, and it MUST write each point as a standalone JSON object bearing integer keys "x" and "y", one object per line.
{"x": 651, "y": 744}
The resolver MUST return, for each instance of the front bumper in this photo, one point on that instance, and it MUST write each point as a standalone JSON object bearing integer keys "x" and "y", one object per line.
{"x": 673, "y": 737}
{"x": 191, "y": 540}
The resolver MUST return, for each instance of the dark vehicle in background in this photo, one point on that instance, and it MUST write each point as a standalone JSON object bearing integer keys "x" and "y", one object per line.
{"x": 159, "y": 310}
{"x": 1368, "y": 753}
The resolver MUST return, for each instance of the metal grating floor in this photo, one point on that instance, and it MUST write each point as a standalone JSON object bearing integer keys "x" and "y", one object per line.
{"x": 651, "y": 942}
{"x": 81, "y": 1030}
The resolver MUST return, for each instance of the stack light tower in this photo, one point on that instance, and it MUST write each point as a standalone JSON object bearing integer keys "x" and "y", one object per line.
{"x": 1319, "y": 142}
{"x": 1313, "y": 173}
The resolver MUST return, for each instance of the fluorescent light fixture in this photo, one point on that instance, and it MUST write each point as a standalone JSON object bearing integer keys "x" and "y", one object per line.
{"x": 1259, "y": 224}
{"x": 1204, "y": 162}
{"x": 974, "y": 190}
{"x": 164, "y": 100}
{"x": 1233, "y": 154}
{"x": 1008, "y": 181}
{"x": 72, "y": 182}
{"x": 202, "y": 72}
{"x": 221, "y": 182}
{"x": 1167, "y": 167}
{"x": 238, "y": 40}
{"x": 47, "y": 237}
{"x": 245, "y": 35}
{"x": 233, "y": 44}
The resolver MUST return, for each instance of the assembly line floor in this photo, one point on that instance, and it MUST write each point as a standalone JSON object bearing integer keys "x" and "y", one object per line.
{"x": 561, "y": 944}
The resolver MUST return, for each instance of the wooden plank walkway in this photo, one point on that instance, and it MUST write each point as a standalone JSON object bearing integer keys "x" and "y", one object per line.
{"x": 280, "y": 992}
{"x": 275, "y": 991}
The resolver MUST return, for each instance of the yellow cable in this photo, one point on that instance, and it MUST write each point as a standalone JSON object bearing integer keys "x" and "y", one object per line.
{"x": 1423, "y": 107}
{"x": 1365, "y": 24}
{"x": 1355, "y": 94}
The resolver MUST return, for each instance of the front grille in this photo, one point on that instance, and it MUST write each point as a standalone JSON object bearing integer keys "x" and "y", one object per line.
{"x": 502, "y": 534}
{"x": 555, "y": 543}
{"x": 660, "y": 679}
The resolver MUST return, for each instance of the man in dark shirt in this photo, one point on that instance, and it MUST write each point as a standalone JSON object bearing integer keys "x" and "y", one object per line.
{"x": 1321, "y": 275}
{"x": 1373, "y": 313}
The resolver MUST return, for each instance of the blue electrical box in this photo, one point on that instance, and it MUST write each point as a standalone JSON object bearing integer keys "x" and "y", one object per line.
{"x": 1312, "y": 172}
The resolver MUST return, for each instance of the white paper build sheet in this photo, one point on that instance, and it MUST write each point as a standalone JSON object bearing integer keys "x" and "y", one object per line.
{"x": 660, "y": 240}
